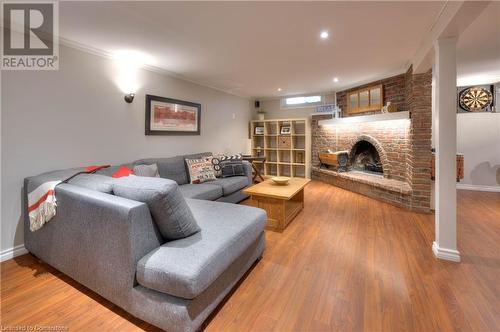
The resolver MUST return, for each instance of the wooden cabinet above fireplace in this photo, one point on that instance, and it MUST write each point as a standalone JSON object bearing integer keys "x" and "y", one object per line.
{"x": 365, "y": 100}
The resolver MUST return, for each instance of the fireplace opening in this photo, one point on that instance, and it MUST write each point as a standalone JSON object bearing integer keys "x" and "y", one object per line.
{"x": 365, "y": 158}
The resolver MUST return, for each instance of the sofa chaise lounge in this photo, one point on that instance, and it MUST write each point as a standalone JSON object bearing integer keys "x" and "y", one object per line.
{"x": 111, "y": 245}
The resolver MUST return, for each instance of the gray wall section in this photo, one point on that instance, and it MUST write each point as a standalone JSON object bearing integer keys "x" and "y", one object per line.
{"x": 273, "y": 109}
{"x": 76, "y": 116}
{"x": 478, "y": 138}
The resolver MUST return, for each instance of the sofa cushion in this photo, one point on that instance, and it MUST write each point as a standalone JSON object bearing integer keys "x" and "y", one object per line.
{"x": 169, "y": 168}
{"x": 231, "y": 184}
{"x": 147, "y": 170}
{"x": 95, "y": 182}
{"x": 186, "y": 267}
{"x": 206, "y": 191}
{"x": 169, "y": 209}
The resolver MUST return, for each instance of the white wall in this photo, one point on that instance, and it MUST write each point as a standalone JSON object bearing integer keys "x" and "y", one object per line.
{"x": 76, "y": 116}
{"x": 273, "y": 109}
{"x": 478, "y": 138}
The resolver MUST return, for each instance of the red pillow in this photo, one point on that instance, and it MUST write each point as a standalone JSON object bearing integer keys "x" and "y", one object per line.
{"x": 122, "y": 171}
{"x": 91, "y": 169}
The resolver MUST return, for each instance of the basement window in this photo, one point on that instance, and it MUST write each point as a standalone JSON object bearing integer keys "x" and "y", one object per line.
{"x": 301, "y": 101}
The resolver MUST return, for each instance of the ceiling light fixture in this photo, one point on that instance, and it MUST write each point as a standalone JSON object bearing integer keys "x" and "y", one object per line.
{"x": 324, "y": 34}
{"x": 279, "y": 89}
{"x": 335, "y": 79}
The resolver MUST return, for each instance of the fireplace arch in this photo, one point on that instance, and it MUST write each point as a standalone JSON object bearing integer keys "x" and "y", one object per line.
{"x": 378, "y": 147}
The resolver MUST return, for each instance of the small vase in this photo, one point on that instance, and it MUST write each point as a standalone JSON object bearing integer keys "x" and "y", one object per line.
{"x": 261, "y": 116}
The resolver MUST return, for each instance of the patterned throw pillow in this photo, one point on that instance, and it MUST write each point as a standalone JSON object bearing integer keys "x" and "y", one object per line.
{"x": 147, "y": 170}
{"x": 227, "y": 166}
{"x": 216, "y": 165}
{"x": 200, "y": 170}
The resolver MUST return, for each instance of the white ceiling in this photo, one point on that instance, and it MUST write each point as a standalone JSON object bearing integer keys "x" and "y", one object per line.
{"x": 478, "y": 49}
{"x": 253, "y": 48}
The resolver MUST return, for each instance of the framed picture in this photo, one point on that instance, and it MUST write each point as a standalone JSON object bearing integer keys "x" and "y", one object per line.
{"x": 259, "y": 130}
{"x": 166, "y": 116}
{"x": 286, "y": 130}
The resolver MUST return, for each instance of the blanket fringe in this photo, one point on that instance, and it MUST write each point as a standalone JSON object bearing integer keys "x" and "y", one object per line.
{"x": 45, "y": 211}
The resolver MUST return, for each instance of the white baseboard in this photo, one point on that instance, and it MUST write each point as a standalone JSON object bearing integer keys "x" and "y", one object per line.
{"x": 13, "y": 252}
{"x": 446, "y": 254}
{"x": 478, "y": 187}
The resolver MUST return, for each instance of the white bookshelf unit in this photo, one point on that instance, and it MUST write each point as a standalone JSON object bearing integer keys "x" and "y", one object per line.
{"x": 286, "y": 154}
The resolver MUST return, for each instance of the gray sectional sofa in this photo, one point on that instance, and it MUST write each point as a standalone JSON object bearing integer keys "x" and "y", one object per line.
{"x": 112, "y": 245}
{"x": 228, "y": 190}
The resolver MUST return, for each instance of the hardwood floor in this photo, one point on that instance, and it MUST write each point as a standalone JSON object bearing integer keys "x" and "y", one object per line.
{"x": 347, "y": 262}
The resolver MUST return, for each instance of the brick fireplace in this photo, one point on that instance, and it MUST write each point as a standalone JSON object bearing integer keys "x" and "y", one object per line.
{"x": 403, "y": 146}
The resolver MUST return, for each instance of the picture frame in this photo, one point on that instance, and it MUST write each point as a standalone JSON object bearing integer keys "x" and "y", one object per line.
{"x": 259, "y": 130}
{"x": 168, "y": 116}
{"x": 286, "y": 130}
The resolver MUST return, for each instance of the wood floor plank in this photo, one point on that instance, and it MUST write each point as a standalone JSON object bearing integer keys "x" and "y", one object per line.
{"x": 346, "y": 263}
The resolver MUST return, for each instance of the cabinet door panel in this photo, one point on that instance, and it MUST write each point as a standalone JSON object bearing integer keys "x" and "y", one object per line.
{"x": 375, "y": 97}
{"x": 364, "y": 99}
{"x": 353, "y": 102}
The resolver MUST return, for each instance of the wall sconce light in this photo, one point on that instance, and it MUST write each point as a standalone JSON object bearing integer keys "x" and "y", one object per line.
{"x": 129, "y": 97}
{"x": 127, "y": 65}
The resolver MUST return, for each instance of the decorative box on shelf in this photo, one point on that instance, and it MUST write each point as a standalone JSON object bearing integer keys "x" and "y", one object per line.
{"x": 284, "y": 142}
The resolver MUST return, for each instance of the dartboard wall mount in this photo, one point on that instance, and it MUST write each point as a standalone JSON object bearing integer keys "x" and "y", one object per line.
{"x": 476, "y": 98}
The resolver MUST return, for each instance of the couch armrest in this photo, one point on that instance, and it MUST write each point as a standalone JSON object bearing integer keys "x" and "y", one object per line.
{"x": 247, "y": 166}
{"x": 97, "y": 239}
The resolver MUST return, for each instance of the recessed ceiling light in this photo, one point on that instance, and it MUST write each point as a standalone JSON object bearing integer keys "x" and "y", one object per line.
{"x": 335, "y": 79}
{"x": 279, "y": 89}
{"x": 324, "y": 34}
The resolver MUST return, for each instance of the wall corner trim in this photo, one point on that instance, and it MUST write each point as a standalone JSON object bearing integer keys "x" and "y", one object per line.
{"x": 478, "y": 187}
{"x": 445, "y": 254}
{"x": 13, "y": 252}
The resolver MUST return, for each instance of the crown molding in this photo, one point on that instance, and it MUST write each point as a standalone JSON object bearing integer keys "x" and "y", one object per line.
{"x": 155, "y": 69}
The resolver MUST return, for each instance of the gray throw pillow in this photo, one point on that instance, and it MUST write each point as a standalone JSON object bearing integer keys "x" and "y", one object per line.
{"x": 96, "y": 182}
{"x": 170, "y": 211}
{"x": 232, "y": 166}
{"x": 147, "y": 170}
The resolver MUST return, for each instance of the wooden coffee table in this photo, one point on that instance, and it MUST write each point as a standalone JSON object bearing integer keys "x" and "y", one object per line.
{"x": 282, "y": 203}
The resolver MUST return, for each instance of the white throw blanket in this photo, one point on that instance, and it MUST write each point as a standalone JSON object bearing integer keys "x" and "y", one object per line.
{"x": 42, "y": 204}
{"x": 41, "y": 198}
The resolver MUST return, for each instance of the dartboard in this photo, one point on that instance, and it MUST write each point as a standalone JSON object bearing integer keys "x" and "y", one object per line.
{"x": 475, "y": 99}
